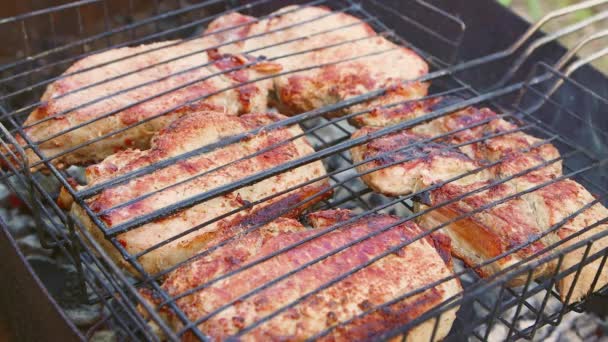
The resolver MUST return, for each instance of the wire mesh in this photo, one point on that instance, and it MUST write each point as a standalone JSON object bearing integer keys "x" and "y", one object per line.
{"x": 500, "y": 304}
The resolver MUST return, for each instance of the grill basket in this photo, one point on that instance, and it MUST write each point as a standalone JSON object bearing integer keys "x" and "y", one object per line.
{"x": 532, "y": 81}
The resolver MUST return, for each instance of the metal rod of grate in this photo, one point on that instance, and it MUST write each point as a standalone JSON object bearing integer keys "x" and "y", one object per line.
{"x": 146, "y": 99}
{"x": 341, "y": 224}
{"x": 332, "y": 149}
{"x": 26, "y": 168}
{"x": 582, "y": 208}
{"x": 100, "y": 285}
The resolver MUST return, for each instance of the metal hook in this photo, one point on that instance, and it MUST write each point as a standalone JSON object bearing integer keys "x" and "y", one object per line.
{"x": 575, "y": 65}
{"x": 545, "y": 40}
{"x": 552, "y": 15}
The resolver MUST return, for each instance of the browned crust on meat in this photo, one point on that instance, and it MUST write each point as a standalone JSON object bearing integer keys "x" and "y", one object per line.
{"x": 405, "y": 165}
{"x": 386, "y": 116}
{"x": 368, "y": 62}
{"x": 410, "y": 268}
{"x": 557, "y": 201}
{"x": 68, "y": 108}
{"x": 490, "y": 233}
{"x": 507, "y": 225}
{"x": 186, "y": 134}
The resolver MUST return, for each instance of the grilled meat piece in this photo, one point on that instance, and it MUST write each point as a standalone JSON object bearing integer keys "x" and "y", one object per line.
{"x": 428, "y": 165}
{"x": 494, "y": 231}
{"x": 504, "y": 141}
{"x": 405, "y": 163}
{"x": 553, "y": 204}
{"x": 342, "y": 55}
{"x": 527, "y": 162}
{"x": 465, "y": 128}
{"x": 172, "y": 184}
{"x": 391, "y": 115}
{"x": 98, "y": 95}
{"x": 520, "y": 220}
{"x": 450, "y": 146}
{"x": 412, "y": 267}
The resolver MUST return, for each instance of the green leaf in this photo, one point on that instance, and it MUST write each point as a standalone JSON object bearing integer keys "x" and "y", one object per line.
{"x": 505, "y": 2}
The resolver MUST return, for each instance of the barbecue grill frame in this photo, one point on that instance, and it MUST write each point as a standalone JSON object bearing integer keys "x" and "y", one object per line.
{"x": 78, "y": 239}
{"x": 24, "y": 291}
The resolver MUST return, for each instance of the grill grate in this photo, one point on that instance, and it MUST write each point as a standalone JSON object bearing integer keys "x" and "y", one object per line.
{"x": 106, "y": 283}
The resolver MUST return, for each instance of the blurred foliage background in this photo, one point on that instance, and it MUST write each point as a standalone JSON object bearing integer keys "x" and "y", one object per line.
{"x": 533, "y": 10}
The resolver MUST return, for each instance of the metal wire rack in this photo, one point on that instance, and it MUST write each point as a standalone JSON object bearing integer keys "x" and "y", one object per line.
{"x": 437, "y": 41}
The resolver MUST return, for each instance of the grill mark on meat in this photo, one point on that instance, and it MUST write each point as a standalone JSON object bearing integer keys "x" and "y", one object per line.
{"x": 502, "y": 227}
{"x": 392, "y": 113}
{"x": 247, "y": 91}
{"x": 331, "y": 71}
{"x": 231, "y": 20}
{"x": 375, "y": 284}
{"x": 371, "y": 326}
{"x": 443, "y": 245}
{"x": 139, "y": 91}
{"x": 273, "y": 210}
{"x": 163, "y": 187}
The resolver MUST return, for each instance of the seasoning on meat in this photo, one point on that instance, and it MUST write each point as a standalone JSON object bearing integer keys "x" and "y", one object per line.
{"x": 343, "y": 57}
{"x": 196, "y": 175}
{"x": 397, "y": 274}
{"x": 101, "y": 94}
{"x": 409, "y": 162}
